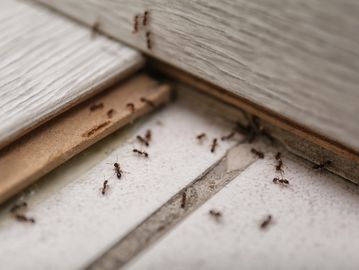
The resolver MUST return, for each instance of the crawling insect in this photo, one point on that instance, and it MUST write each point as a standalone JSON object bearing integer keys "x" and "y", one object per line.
{"x": 18, "y": 206}
{"x": 104, "y": 187}
{"x": 131, "y": 107}
{"x": 148, "y": 135}
{"x": 95, "y": 29}
{"x": 184, "y": 200}
{"x": 201, "y": 136}
{"x": 322, "y": 165}
{"x": 148, "y": 40}
{"x": 278, "y": 156}
{"x": 142, "y": 140}
{"x": 214, "y": 145}
{"x": 216, "y": 214}
{"x": 135, "y": 24}
{"x": 280, "y": 181}
{"x": 257, "y": 153}
{"x": 229, "y": 136}
{"x": 142, "y": 153}
{"x": 279, "y": 166}
{"x": 145, "y": 18}
{"x": 266, "y": 222}
{"x": 118, "y": 170}
{"x": 148, "y": 102}
{"x": 96, "y": 106}
{"x": 23, "y": 218}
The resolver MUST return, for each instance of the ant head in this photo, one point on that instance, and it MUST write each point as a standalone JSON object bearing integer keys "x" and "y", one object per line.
{"x": 116, "y": 165}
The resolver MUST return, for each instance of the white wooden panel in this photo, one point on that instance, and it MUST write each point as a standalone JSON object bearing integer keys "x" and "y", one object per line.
{"x": 75, "y": 223}
{"x": 49, "y": 63}
{"x": 315, "y": 225}
{"x": 297, "y": 58}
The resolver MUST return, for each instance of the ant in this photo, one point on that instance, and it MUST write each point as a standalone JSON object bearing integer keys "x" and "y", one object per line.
{"x": 135, "y": 24}
{"x": 278, "y": 156}
{"x": 23, "y": 218}
{"x": 201, "y": 136}
{"x": 142, "y": 140}
{"x": 148, "y": 135}
{"x": 184, "y": 200}
{"x": 280, "y": 181}
{"x": 110, "y": 113}
{"x": 145, "y": 18}
{"x": 143, "y": 153}
{"x": 117, "y": 169}
{"x": 266, "y": 222}
{"x": 322, "y": 165}
{"x": 95, "y": 106}
{"x": 229, "y": 136}
{"x": 216, "y": 214}
{"x": 147, "y": 101}
{"x": 95, "y": 29}
{"x": 214, "y": 145}
{"x": 104, "y": 187}
{"x": 148, "y": 40}
{"x": 131, "y": 107}
{"x": 18, "y": 206}
{"x": 257, "y": 153}
{"x": 279, "y": 166}
{"x": 253, "y": 129}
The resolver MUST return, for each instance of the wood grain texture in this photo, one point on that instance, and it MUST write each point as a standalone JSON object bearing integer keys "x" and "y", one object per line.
{"x": 297, "y": 58}
{"x": 49, "y": 63}
{"x": 296, "y": 138}
{"x": 50, "y": 145}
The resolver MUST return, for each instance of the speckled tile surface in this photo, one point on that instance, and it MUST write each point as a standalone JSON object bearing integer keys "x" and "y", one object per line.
{"x": 315, "y": 224}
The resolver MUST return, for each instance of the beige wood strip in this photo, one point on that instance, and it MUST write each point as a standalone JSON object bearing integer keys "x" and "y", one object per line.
{"x": 297, "y": 58}
{"x": 43, "y": 149}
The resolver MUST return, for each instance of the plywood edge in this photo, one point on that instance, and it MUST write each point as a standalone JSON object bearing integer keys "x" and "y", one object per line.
{"x": 296, "y": 138}
{"x": 51, "y": 144}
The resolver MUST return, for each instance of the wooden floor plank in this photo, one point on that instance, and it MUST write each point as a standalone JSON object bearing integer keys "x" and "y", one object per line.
{"x": 43, "y": 149}
{"x": 49, "y": 63}
{"x": 299, "y": 59}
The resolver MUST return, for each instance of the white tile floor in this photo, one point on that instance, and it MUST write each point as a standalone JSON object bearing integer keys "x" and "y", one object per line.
{"x": 315, "y": 225}
{"x": 75, "y": 223}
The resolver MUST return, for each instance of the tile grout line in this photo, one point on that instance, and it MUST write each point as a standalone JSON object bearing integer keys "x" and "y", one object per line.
{"x": 169, "y": 214}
